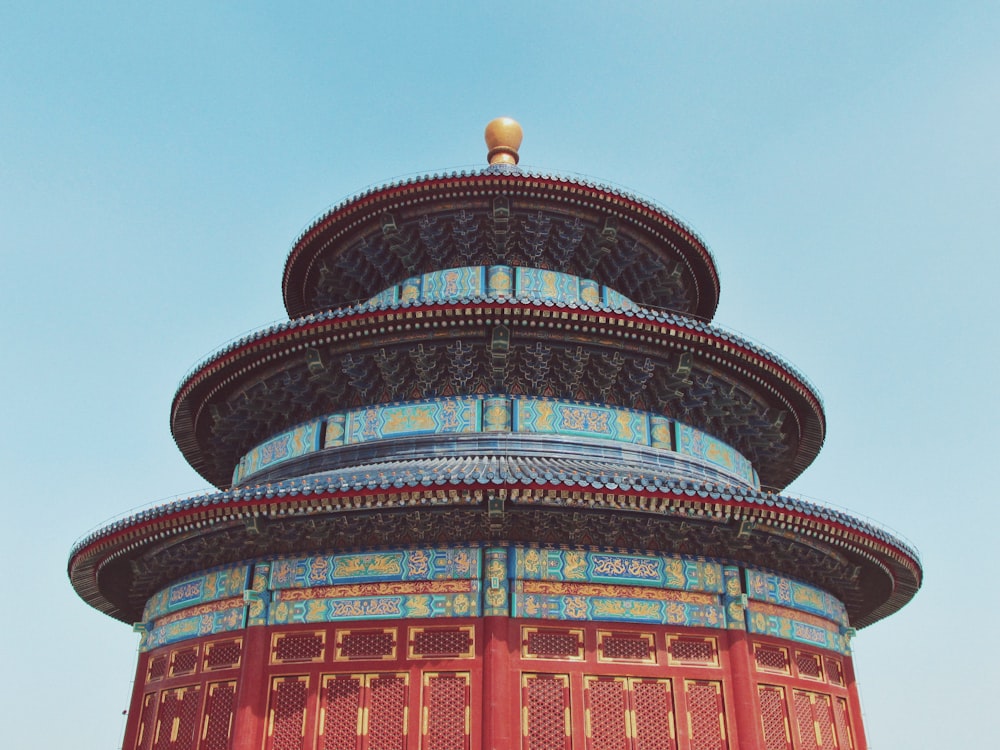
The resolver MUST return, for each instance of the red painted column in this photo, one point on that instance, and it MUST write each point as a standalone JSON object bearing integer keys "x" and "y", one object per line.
{"x": 135, "y": 705}
{"x": 500, "y": 715}
{"x": 854, "y": 702}
{"x": 249, "y": 721}
{"x": 746, "y": 710}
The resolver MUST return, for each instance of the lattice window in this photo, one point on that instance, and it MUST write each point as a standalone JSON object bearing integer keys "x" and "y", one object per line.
{"x": 653, "y": 709}
{"x": 834, "y": 672}
{"x": 692, "y": 650}
{"x": 367, "y": 644}
{"x": 774, "y": 718}
{"x": 287, "y": 715}
{"x": 546, "y": 698}
{"x": 548, "y": 643}
{"x": 157, "y": 668}
{"x": 341, "y": 707}
{"x": 297, "y": 647}
{"x": 183, "y": 661}
{"x": 706, "y": 715}
{"x": 223, "y": 654}
{"x": 824, "y": 721}
{"x": 815, "y": 720}
{"x": 626, "y": 647}
{"x": 607, "y": 714}
{"x": 841, "y": 717}
{"x": 771, "y": 658}
{"x": 808, "y": 738}
{"x": 626, "y": 713}
{"x": 809, "y": 665}
{"x": 456, "y": 642}
{"x": 387, "y": 712}
{"x": 218, "y": 722}
{"x": 177, "y": 719}
{"x": 446, "y": 711}
{"x": 144, "y": 737}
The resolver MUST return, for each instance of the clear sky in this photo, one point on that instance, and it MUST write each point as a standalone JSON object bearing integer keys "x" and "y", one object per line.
{"x": 840, "y": 158}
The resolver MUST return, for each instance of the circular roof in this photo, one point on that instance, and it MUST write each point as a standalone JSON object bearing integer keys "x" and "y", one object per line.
{"x": 366, "y": 355}
{"x": 444, "y": 499}
{"x": 501, "y": 215}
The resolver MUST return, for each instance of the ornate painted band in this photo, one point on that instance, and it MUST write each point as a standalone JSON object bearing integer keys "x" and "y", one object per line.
{"x": 496, "y": 414}
{"x": 516, "y": 581}
{"x": 498, "y": 282}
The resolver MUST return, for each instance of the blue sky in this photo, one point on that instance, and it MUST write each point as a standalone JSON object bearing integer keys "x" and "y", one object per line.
{"x": 840, "y": 159}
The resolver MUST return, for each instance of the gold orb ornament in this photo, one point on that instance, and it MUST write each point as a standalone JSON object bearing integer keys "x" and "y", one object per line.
{"x": 503, "y": 138}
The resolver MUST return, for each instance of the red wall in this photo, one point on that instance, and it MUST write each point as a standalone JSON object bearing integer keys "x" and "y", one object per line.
{"x": 552, "y": 685}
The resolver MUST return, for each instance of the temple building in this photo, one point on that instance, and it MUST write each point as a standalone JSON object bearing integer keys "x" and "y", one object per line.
{"x": 498, "y": 482}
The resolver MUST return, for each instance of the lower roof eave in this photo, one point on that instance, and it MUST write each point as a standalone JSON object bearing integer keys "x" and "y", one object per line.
{"x": 768, "y": 519}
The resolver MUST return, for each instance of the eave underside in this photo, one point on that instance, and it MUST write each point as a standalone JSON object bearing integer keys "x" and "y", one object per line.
{"x": 378, "y": 241}
{"x": 253, "y": 393}
{"x": 118, "y": 575}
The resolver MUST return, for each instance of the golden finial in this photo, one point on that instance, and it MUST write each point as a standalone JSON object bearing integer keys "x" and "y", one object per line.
{"x": 503, "y": 138}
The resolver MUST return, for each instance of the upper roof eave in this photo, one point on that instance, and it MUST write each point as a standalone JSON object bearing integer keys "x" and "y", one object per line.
{"x": 423, "y": 187}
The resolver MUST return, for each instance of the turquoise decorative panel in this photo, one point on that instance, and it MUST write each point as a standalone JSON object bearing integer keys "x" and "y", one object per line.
{"x": 519, "y": 581}
{"x": 336, "y": 431}
{"x": 259, "y": 597}
{"x": 333, "y": 609}
{"x": 398, "y": 565}
{"x": 415, "y": 418}
{"x": 677, "y": 573}
{"x": 291, "y": 444}
{"x": 694, "y": 442}
{"x": 409, "y": 290}
{"x": 590, "y": 292}
{"x": 617, "y": 301}
{"x": 388, "y": 297}
{"x": 207, "y": 587}
{"x": 732, "y": 600}
{"x": 775, "y": 589}
{"x": 223, "y": 617}
{"x": 496, "y": 415}
{"x": 535, "y": 283}
{"x": 501, "y": 281}
{"x": 580, "y": 420}
{"x": 496, "y": 596}
{"x": 764, "y": 622}
{"x": 660, "y": 433}
{"x": 614, "y": 605}
{"x": 454, "y": 283}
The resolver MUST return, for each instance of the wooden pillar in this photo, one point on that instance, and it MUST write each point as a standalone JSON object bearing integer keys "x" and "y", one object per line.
{"x": 854, "y": 703}
{"x": 500, "y": 707}
{"x": 135, "y": 705}
{"x": 250, "y": 715}
{"x": 746, "y": 711}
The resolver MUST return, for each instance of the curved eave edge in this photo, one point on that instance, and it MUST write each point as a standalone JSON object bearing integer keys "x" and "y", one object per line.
{"x": 521, "y": 179}
{"x": 674, "y": 498}
{"x": 259, "y": 347}
{"x": 273, "y": 333}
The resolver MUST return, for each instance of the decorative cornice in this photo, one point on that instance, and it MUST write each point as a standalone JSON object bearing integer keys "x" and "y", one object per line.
{"x": 753, "y": 522}
{"x": 355, "y": 224}
{"x": 638, "y": 333}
